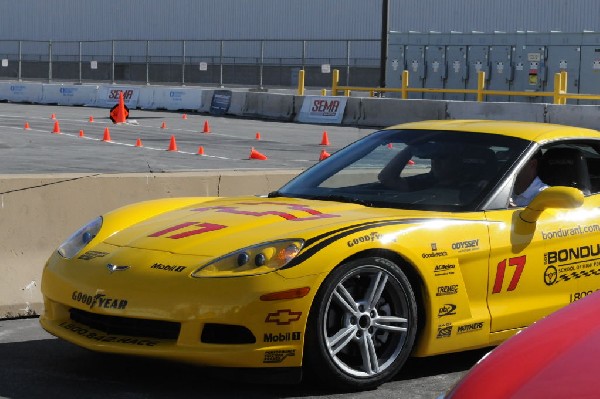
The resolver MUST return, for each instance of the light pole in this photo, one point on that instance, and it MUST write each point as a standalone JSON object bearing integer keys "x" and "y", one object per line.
{"x": 385, "y": 8}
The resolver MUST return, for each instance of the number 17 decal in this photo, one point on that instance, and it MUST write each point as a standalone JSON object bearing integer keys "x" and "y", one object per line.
{"x": 519, "y": 263}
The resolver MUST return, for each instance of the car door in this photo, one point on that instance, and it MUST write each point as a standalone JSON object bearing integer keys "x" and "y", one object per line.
{"x": 536, "y": 268}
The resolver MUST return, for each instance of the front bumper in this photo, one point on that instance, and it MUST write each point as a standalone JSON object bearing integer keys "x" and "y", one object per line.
{"x": 162, "y": 313}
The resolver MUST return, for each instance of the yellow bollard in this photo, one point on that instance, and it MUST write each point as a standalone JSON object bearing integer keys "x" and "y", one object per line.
{"x": 301, "y": 82}
{"x": 334, "y": 84}
{"x": 404, "y": 84}
{"x": 323, "y": 92}
{"x": 480, "y": 85}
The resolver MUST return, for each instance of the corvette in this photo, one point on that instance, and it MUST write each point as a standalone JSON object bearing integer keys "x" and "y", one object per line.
{"x": 345, "y": 272}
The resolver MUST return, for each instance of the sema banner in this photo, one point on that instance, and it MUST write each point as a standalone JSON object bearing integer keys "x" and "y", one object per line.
{"x": 317, "y": 109}
{"x": 108, "y": 96}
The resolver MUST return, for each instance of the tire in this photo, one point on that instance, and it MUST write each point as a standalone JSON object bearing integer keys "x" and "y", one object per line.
{"x": 362, "y": 325}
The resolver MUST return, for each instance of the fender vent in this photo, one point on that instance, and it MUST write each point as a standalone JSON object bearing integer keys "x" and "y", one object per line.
{"x": 226, "y": 334}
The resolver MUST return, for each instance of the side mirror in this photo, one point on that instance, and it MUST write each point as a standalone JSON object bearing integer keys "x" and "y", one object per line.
{"x": 552, "y": 197}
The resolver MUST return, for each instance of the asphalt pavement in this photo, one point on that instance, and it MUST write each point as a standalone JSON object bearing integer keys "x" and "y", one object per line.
{"x": 34, "y": 364}
{"x": 81, "y": 145}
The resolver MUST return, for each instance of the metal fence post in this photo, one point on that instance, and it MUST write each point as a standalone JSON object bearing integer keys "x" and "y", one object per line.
{"x": 80, "y": 71}
{"x": 147, "y": 62}
{"x": 262, "y": 55}
{"x": 221, "y": 65}
{"x": 303, "y": 53}
{"x": 183, "y": 64}
{"x": 20, "y": 60}
{"x": 112, "y": 74}
{"x": 50, "y": 61}
{"x": 347, "y": 62}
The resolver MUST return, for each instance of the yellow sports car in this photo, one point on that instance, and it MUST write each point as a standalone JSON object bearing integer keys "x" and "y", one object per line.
{"x": 414, "y": 241}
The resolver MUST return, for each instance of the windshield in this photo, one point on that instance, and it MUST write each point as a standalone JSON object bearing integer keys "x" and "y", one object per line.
{"x": 412, "y": 169}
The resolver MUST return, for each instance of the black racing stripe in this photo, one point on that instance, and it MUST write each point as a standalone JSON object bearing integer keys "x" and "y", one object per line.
{"x": 335, "y": 235}
{"x": 305, "y": 255}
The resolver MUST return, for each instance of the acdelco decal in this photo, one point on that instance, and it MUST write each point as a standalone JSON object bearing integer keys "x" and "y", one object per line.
{"x": 444, "y": 269}
{"x": 99, "y": 300}
{"x": 373, "y": 236}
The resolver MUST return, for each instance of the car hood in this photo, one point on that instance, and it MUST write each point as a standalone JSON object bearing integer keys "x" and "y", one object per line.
{"x": 225, "y": 225}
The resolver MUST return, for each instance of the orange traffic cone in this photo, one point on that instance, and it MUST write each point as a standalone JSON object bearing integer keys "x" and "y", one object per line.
{"x": 184, "y": 116}
{"x": 200, "y": 150}
{"x": 257, "y": 155}
{"x": 257, "y": 136}
{"x": 106, "y": 135}
{"x": 163, "y": 126}
{"x": 206, "y": 128}
{"x": 56, "y": 129}
{"x": 27, "y": 126}
{"x": 53, "y": 116}
{"x": 81, "y": 133}
{"x": 119, "y": 113}
{"x": 325, "y": 140}
{"x": 91, "y": 119}
{"x": 324, "y": 155}
{"x": 172, "y": 144}
{"x": 138, "y": 143}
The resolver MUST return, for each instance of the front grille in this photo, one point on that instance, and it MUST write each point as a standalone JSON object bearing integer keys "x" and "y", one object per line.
{"x": 226, "y": 334}
{"x": 127, "y": 326}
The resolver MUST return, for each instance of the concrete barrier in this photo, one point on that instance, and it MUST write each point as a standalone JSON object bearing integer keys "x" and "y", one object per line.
{"x": 238, "y": 103}
{"x": 69, "y": 94}
{"x": 379, "y": 112}
{"x": 173, "y": 99}
{"x": 270, "y": 106}
{"x": 38, "y": 212}
{"x": 526, "y": 112}
{"x": 574, "y": 115}
{"x": 18, "y": 92}
{"x": 146, "y": 98}
{"x": 108, "y": 96}
{"x": 352, "y": 113}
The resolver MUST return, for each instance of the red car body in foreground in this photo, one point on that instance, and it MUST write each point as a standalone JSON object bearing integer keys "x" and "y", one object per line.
{"x": 557, "y": 357}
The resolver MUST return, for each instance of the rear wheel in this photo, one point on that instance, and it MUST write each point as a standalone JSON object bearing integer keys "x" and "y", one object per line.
{"x": 362, "y": 324}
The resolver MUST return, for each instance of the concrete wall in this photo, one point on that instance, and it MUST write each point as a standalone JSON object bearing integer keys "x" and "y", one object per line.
{"x": 38, "y": 212}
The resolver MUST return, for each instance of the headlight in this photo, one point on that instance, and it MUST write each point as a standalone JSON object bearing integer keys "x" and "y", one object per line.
{"x": 80, "y": 239}
{"x": 259, "y": 259}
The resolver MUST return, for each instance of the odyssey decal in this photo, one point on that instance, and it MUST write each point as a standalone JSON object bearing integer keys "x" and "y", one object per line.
{"x": 466, "y": 246}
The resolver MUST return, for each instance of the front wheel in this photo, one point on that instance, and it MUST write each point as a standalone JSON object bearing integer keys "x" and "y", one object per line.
{"x": 362, "y": 325}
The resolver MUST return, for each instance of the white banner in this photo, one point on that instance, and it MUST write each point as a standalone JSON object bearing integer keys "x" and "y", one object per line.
{"x": 108, "y": 96}
{"x": 177, "y": 98}
{"x": 21, "y": 92}
{"x": 319, "y": 109}
{"x": 68, "y": 94}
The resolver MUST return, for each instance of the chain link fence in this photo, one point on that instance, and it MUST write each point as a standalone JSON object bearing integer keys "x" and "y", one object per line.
{"x": 249, "y": 63}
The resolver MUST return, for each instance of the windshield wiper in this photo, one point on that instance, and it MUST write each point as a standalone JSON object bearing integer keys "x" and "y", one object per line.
{"x": 341, "y": 198}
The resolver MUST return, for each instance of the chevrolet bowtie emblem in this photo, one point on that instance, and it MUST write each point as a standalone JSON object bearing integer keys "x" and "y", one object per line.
{"x": 116, "y": 268}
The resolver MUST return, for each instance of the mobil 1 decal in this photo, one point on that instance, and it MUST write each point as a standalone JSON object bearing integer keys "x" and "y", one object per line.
{"x": 571, "y": 263}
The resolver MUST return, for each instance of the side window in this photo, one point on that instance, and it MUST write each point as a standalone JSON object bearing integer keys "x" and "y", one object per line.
{"x": 574, "y": 164}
